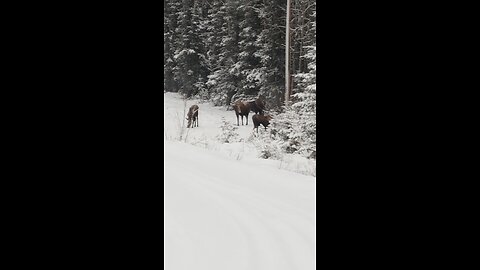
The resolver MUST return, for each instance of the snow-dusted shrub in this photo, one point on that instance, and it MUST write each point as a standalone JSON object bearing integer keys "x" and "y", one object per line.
{"x": 272, "y": 151}
{"x": 286, "y": 131}
{"x": 295, "y": 132}
{"x": 267, "y": 146}
{"x": 229, "y": 133}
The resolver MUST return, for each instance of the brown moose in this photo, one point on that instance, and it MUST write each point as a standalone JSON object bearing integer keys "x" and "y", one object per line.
{"x": 261, "y": 119}
{"x": 242, "y": 109}
{"x": 192, "y": 116}
{"x": 257, "y": 106}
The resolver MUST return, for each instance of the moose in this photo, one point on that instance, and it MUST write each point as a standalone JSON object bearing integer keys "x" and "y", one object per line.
{"x": 242, "y": 109}
{"x": 261, "y": 119}
{"x": 257, "y": 106}
{"x": 192, "y": 116}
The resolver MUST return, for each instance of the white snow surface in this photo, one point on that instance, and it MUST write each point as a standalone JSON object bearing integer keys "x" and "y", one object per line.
{"x": 225, "y": 208}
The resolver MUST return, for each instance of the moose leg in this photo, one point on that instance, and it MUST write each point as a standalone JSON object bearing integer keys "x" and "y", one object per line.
{"x": 238, "y": 123}
{"x": 247, "y": 118}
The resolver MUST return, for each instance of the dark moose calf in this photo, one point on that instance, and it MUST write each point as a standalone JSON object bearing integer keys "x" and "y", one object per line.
{"x": 261, "y": 119}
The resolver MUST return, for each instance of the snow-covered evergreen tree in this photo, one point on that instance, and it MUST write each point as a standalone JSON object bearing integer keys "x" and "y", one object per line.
{"x": 249, "y": 66}
{"x": 272, "y": 53}
{"x": 188, "y": 55}
{"x": 169, "y": 37}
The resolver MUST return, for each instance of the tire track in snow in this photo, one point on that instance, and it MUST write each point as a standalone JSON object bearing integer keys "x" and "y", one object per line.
{"x": 237, "y": 214}
{"x": 249, "y": 227}
{"x": 227, "y": 237}
{"x": 268, "y": 246}
{"x": 273, "y": 218}
{"x": 271, "y": 207}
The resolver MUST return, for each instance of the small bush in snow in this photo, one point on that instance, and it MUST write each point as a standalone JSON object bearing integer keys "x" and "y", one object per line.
{"x": 229, "y": 133}
{"x": 296, "y": 131}
{"x": 268, "y": 148}
{"x": 270, "y": 151}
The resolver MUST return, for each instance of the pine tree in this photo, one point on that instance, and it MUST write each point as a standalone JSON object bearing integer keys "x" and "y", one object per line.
{"x": 169, "y": 37}
{"x": 188, "y": 69}
{"x": 272, "y": 52}
{"x": 223, "y": 81}
{"x": 248, "y": 59}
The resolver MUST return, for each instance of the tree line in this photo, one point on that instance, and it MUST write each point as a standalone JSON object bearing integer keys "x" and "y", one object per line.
{"x": 215, "y": 49}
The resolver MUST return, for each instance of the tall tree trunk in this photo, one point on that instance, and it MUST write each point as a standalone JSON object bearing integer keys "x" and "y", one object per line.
{"x": 287, "y": 56}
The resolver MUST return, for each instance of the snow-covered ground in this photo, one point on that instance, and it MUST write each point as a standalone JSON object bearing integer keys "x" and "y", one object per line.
{"x": 227, "y": 209}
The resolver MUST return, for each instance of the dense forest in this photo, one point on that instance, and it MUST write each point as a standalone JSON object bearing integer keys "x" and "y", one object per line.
{"x": 222, "y": 50}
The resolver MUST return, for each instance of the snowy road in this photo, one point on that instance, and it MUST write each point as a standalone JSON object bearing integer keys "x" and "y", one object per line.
{"x": 229, "y": 214}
